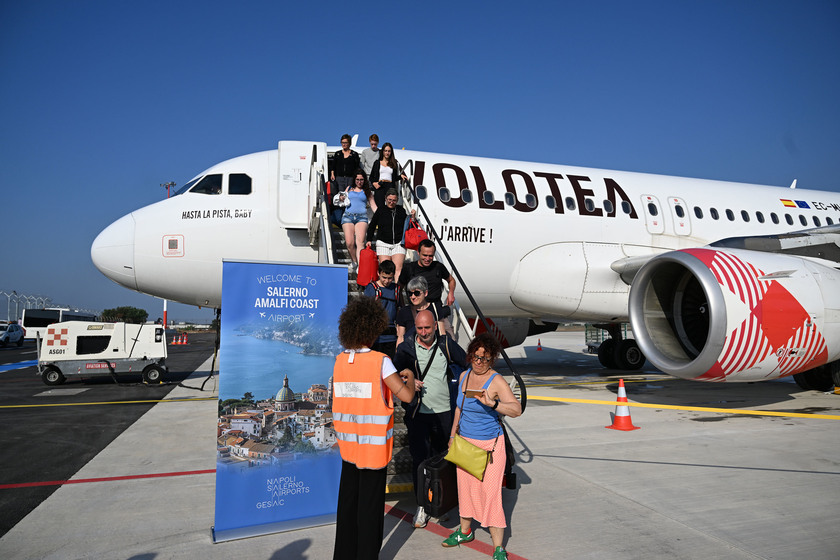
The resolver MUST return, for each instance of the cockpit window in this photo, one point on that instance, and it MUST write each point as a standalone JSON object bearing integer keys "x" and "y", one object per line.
{"x": 186, "y": 187}
{"x": 211, "y": 184}
{"x": 239, "y": 183}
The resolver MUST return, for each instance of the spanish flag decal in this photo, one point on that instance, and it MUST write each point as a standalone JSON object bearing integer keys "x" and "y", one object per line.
{"x": 788, "y": 203}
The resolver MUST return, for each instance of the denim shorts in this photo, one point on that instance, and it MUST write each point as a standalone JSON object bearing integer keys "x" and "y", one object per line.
{"x": 353, "y": 218}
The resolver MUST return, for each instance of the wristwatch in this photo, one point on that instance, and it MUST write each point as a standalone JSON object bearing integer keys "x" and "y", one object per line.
{"x": 495, "y": 406}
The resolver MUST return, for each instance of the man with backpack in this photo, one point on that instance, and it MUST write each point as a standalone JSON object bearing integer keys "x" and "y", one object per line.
{"x": 384, "y": 290}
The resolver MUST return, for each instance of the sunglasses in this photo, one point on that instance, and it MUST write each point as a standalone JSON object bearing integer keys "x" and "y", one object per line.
{"x": 485, "y": 359}
{"x": 416, "y": 293}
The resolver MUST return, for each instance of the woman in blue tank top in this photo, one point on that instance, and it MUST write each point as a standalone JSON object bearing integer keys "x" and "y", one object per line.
{"x": 354, "y": 222}
{"x": 477, "y": 420}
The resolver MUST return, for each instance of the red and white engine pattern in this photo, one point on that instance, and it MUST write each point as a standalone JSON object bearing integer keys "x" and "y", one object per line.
{"x": 735, "y": 315}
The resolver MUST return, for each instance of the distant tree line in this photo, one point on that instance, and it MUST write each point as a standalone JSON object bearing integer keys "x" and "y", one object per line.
{"x": 125, "y": 314}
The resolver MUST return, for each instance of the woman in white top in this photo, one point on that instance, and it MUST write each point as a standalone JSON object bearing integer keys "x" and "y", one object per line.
{"x": 383, "y": 174}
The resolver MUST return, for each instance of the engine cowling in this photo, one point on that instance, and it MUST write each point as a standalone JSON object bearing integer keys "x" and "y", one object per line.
{"x": 735, "y": 315}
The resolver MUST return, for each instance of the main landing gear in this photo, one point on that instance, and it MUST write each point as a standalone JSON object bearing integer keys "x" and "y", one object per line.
{"x": 617, "y": 352}
{"x": 822, "y": 378}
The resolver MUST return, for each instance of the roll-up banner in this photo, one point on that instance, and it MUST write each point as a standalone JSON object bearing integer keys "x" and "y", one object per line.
{"x": 277, "y": 461}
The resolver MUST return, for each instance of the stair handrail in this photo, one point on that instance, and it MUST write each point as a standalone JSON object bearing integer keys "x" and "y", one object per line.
{"x": 410, "y": 202}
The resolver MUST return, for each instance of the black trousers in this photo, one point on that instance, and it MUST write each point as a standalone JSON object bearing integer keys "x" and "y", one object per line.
{"x": 360, "y": 517}
{"x": 428, "y": 435}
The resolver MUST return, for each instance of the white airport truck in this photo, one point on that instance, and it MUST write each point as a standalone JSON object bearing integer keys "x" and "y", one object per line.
{"x": 84, "y": 348}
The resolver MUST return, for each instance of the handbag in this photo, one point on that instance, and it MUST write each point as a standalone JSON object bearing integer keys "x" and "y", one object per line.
{"x": 466, "y": 455}
{"x": 414, "y": 235}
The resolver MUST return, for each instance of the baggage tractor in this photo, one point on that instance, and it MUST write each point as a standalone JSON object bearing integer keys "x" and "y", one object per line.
{"x": 438, "y": 485}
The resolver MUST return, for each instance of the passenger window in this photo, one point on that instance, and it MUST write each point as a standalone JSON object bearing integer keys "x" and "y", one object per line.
{"x": 789, "y": 219}
{"x": 211, "y": 184}
{"x": 774, "y": 218}
{"x": 714, "y": 213}
{"x": 589, "y": 204}
{"x": 816, "y": 221}
{"x": 530, "y": 200}
{"x": 745, "y": 215}
{"x": 466, "y": 195}
{"x": 570, "y": 203}
{"x": 608, "y": 207}
{"x": 510, "y": 200}
{"x": 443, "y": 194}
{"x": 829, "y": 221}
{"x": 679, "y": 210}
{"x": 698, "y": 212}
{"x": 652, "y": 209}
{"x": 803, "y": 220}
{"x": 421, "y": 192}
{"x": 550, "y": 203}
{"x": 239, "y": 183}
{"x": 489, "y": 199}
{"x": 625, "y": 207}
{"x": 730, "y": 215}
{"x": 760, "y": 217}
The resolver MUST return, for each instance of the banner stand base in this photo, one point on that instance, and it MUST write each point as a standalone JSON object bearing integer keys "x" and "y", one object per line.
{"x": 268, "y": 528}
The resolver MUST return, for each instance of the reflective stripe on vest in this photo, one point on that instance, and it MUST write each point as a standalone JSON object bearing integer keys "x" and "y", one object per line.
{"x": 362, "y": 410}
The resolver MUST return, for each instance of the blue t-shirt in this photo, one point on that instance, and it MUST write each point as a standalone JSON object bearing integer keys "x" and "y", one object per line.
{"x": 478, "y": 421}
{"x": 387, "y": 296}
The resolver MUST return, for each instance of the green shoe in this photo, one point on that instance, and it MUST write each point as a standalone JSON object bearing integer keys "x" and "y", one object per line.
{"x": 500, "y": 553}
{"x": 456, "y": 538}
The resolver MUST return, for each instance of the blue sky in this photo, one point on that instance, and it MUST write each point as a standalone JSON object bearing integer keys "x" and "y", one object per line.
{"x": 101, "y": 102}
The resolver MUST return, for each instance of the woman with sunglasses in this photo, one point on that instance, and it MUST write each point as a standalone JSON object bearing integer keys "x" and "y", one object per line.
{"x": 480, "y": 424}
{"x": 417, "y": 290}
{"x": 387, "y": 227}
{"x": 354, "y": 222}
{"x": 384, "y": 173}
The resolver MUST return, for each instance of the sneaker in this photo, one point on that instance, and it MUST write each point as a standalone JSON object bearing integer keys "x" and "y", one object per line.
{"x": 421, "y": 518}
{"x": 500, "y": 553}
{"x": 456, "y": 538}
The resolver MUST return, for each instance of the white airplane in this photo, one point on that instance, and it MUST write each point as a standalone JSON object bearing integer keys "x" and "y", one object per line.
{"x": 720, "y": 281}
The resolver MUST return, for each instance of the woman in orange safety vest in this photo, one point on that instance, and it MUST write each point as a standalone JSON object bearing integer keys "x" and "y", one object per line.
{"x": 364, "y": 382}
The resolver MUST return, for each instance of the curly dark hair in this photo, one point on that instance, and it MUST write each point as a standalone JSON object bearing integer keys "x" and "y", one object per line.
{"x": 491, "y": 346}
{"x": 361, "y": 322}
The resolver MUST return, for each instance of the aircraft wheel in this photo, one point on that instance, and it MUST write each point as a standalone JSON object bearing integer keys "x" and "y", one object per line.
{"x": 802, "y": 381}
{"x": 628, "y": 356}
{"x": 152, "y": 374}
{"x": 52, "y": 376}
{"x": 606, "y": 354}
{"x": 834, "y": 368}
{"x": 820, "y": 378}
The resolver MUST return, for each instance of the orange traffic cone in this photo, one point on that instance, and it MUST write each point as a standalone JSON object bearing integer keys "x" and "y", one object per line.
{"x": 621, "y": 418}
{"x": 185, "y": 339}
{"x": 539, "y": 345}
{"x": 174, "y": 340}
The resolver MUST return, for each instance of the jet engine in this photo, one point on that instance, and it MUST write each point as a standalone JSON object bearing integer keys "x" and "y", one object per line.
{"x": 736, "y": 315}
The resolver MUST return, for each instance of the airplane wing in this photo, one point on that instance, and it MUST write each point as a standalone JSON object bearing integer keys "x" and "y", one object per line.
{"x": 817, "y": 243}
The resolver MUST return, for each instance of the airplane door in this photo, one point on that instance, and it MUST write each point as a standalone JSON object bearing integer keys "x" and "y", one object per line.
{"x": 654, "y": 220}
{"x": 294, "y": 201}
{"x": 679, "y": 212}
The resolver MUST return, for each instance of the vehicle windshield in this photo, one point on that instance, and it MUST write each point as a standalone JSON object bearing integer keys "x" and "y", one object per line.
{"x": 186, "y": 187}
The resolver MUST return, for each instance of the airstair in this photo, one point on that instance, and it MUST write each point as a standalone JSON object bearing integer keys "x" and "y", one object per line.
{"x": 332, "y": 249}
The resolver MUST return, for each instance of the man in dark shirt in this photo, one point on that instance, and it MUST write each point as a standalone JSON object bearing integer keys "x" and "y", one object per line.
{"x": 434, "y": 272}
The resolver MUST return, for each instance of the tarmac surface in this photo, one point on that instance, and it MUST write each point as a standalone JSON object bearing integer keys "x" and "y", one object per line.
{"x": 715, "y": 471}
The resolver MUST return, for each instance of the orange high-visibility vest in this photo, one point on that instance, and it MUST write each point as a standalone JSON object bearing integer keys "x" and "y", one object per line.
{"x": 363, "y": 411}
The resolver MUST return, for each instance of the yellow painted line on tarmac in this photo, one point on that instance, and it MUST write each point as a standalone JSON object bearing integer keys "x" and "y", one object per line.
{"x": 108, "y": 402}
{"x": 691, "y": 408}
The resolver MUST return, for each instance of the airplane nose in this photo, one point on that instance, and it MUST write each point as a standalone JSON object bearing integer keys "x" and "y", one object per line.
{"x": 112, "y": 252}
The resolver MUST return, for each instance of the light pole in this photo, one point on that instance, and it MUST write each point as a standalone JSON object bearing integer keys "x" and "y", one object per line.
{"x": 167, "y": 186}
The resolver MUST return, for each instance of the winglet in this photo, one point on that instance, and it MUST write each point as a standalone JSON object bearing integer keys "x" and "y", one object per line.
{"x": 793, "y": 185}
